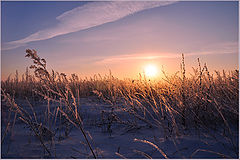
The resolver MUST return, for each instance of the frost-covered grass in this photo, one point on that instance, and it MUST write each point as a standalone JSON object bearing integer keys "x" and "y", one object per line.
{"x": 51, "y": 115}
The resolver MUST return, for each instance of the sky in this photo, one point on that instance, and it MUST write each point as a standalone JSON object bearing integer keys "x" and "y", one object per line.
{"x": 88, "y": 38}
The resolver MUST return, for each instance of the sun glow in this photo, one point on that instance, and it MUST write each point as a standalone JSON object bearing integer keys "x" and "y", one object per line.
{"x": 150, "y": 70}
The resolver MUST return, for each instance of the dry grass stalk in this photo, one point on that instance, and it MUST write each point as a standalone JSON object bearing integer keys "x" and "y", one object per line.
{"x": 143, "y": 154}
{"x": 153, "y": 145}
{"x": 204, "y": 150}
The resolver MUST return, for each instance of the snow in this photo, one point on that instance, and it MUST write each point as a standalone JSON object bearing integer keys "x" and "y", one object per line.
{"x": 110, "y": 137}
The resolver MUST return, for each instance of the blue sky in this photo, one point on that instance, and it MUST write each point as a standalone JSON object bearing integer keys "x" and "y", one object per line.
{"x": 93, "y": 37}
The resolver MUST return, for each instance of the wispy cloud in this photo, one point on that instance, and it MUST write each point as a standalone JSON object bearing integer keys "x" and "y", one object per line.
{"x": 87, "y": 16}
{"x": 129, "y": 57}
{"x": 220, "y": 48}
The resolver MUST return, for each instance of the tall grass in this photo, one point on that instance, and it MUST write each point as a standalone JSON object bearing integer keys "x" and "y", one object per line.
{"x": 203, "y": 100}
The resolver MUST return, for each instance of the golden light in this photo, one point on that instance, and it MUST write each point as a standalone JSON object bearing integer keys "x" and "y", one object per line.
{"x": 150, "y": 70}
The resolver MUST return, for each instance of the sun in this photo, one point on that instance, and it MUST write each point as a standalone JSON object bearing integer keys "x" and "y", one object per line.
{"x": 150, "y": 70}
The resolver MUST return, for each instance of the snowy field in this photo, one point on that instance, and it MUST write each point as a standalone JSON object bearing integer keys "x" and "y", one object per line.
{"x": 112, "y": 134}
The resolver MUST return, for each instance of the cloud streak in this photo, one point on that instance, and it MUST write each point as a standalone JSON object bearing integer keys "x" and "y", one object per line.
{"x": 86, "y": 16}
{"x": 129, "y": 57}
{"x": 221, "y": 48}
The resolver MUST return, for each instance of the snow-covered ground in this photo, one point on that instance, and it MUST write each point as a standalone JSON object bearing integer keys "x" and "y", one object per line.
{"x": 110, "y": 137}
